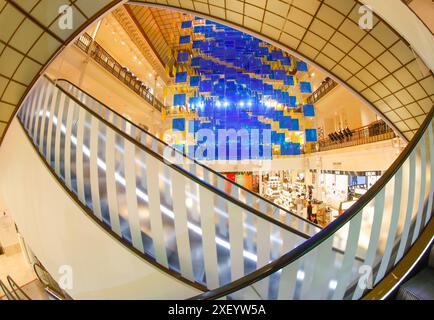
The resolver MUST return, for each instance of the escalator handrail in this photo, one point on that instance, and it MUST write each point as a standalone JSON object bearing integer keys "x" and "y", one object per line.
{"x": 328, "y": 231}
{"x": 180, "y": 169}
{"x": 15, "y": 287}
{"x": 190, "y": 159}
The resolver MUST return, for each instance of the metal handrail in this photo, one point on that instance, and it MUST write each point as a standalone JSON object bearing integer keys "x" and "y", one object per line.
{"x": 323, "y": 89}
{"x": 103, "y": 58}
{"x": 50, "y": 285}
{"x": 374, "y": 132}
{"x": 7, "y": 292}
{"x": 16, "y": 288}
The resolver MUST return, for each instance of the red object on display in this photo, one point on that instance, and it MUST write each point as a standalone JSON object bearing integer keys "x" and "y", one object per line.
{"x": 231, "y": 176}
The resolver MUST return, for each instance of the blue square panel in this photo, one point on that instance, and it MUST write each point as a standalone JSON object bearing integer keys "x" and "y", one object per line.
{"x": 301, "y": 66}
{"x": 311, "y": 135}
{"x": 179, "y": 99}
{"x": 305, "y": 87}
{"x": 194, "y": 81}
{"x": 184, "y": 39}
{"x": 308, "y": 110}
{"x": 178, "y": 124}
{"x": 181, "y": 77}
{"x": 186, "y": 24}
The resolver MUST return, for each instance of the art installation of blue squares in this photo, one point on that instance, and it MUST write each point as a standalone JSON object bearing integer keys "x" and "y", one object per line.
{"x": 181, "y": 77}
{"x": 311, "y": 135}
{"x": 178, "y": 124}
{"x": 186, "y": 24}
{"x": 179, "y": 99}
{"x": 308, "y": 110}
{"x": 194, "y": 81}
{"x": 183, "y": 56}
{"x": 184, "y": 39}
{"x": 305, "y": 87}
{"x": 301, "y": 66}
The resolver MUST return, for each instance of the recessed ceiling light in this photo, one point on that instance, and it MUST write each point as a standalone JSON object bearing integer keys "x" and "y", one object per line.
{"x": 123, "y": 43}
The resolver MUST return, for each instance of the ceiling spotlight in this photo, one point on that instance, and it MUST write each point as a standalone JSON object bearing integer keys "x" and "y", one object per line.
{"x": 226, "y": 104}
{"x": 123, "y": 43}
{"x": 218, "y": 104}
{"x": 135, "y": 58}
{"x": 249, "y": 103}
{"x": 150, "y": 75}
{"x": 241, "y": 104}
{"x": 140, "y": 62}
{"x": 312, "y": 74}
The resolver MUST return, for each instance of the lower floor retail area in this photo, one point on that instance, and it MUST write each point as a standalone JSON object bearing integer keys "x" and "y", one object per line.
{"x": 319, "y": 196}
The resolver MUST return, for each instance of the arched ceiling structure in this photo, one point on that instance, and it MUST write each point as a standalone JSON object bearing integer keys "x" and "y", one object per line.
{"x": 376, "y": 64}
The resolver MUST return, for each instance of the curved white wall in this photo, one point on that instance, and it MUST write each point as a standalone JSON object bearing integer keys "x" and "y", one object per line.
{"x": 60, "y": 233}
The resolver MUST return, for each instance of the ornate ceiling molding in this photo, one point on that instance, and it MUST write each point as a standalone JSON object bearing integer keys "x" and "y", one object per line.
{"x": 133, "y": 31}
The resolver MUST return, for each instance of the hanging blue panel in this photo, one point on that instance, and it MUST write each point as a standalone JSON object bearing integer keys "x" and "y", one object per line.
{"x": 286, "y": 149}
{"x": 292, "y": 102}
{"x": 301, "y": 66}
{"x": 286, "y": 61}
{"x": 276, "y": 55}
{"x": 178, "y": 124}
{"x": 308, "y": 110}
{"x": 288, "y": 81}
{"x": 195, "y": 62}
{"x": 311, "y": 135}
{"x": 268, "y": 89}
{"x": 296, "y": 150}
{"x": 181, "y": 77}
{"x": 305, "y": 87}
{"x": 285, "y": 122}
{"x": 184, "y": 39}
{"x": 186, "y": 24}
{"x": 196, "y": 44}
{"x": 205, "y": 86}
{"x": 198, "y": 29}
{"x": 194, "y": 81}
{"x": 295, "y": 126}
{"x": 179, "y": 99}
{"x": 279, "y": 74}
{"x": 182, "y": 56}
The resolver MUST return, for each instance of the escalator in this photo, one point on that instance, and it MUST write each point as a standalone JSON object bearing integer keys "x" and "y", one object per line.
{"x": 132, "y": 184}
{"x": 223, "y": 239}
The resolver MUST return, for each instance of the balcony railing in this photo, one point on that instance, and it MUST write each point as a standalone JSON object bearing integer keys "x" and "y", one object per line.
{"x": 103, "y": 58}
{"x": 324, "y": 88}
{"x": 377, "y": 131}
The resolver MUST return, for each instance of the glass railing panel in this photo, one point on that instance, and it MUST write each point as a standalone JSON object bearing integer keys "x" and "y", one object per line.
{"x": 359, "y": 250}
